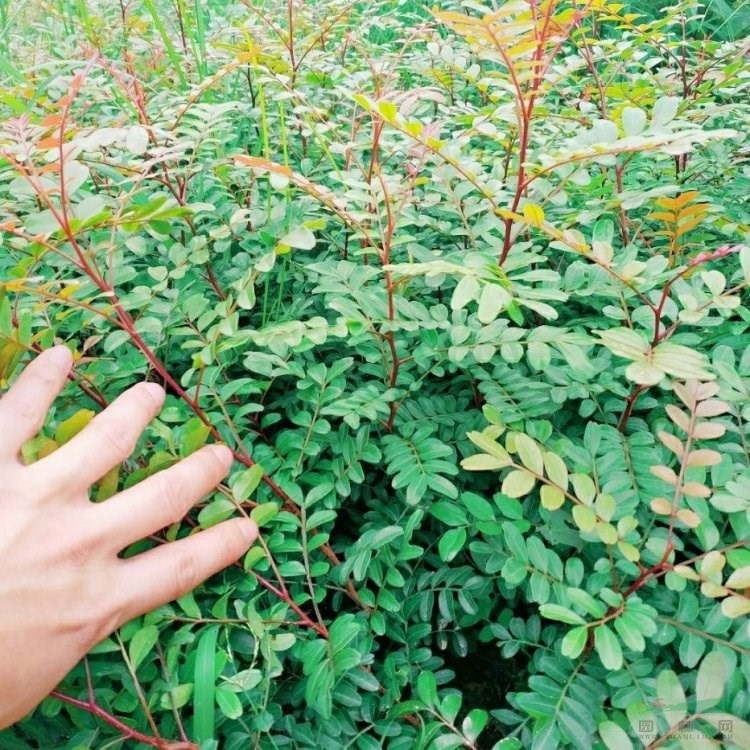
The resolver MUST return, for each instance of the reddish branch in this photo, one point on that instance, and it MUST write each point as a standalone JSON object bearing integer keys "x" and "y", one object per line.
{"x": 127, "y": 732}
{"x": 526, "y": 98}
{"x": 661, "y": 334}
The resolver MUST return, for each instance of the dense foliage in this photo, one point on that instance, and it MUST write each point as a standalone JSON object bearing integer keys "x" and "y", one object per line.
{"x": 465, "y": 290}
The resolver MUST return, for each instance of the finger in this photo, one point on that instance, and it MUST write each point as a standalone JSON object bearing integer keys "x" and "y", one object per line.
{"x": 25, "y": 406}
{"x": 164, "y": 498}
{"x": 108, "y": 439}
{"x": 168, "y": 572}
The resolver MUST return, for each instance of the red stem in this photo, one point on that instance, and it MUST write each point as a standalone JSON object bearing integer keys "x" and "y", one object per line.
{"x": 126, "y": 731}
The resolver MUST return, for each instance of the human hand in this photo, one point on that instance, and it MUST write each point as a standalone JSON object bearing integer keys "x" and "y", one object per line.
{"x": 63, "y": 587}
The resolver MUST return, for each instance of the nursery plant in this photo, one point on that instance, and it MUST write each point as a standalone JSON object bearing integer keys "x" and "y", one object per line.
{"x": 464, "y": 288}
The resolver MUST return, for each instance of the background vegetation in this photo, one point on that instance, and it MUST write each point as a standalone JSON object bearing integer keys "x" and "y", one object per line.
{"x": 465, "y": 290}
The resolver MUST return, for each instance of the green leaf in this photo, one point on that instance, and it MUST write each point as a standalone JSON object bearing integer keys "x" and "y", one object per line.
{"x": 713, "y": 675}
{"x": 229, "y": 703}
{"x": 254, "y": 555}
{"x": 515, "y": 542}
{"x": 561, "y": 614}
{"x": 475, "y": 721}
{"x": 319, "y": 689}
{"x": 177, "y": 697}
{"x": 247, "y": 482}
{"x": 736, "y": 730}
{"x": 216, "y": 512}
{"x": 692, "y": 648}
{"x": 451, "y": 543}
{"x": 385, "y": 535}
{"x": 450, "y": 706}
{"x": 585, "y": 601}
{"x": 449, "y": 513}
{"x": 629, "y": 631}
{"x": 672, "y": 696}
{"x": 608, "y": 647}
{"x": 141, "y": 644}
{"x": 574, "y": 642}
{"x": 263, "y": 513}
{"x": 427, "y": 689}
{"x": 478, "y": 506}
{"x": 613, "y": 735}
{"x": 514, "y": 571}
{"x": 194, "y": 436}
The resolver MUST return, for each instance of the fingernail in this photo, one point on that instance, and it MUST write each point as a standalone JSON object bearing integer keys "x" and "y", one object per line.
{"x": 223, "y": 454}
{"x": 249, "y": 530}
{"x": 60, "y": 356}
{"x": 155, "y": 391}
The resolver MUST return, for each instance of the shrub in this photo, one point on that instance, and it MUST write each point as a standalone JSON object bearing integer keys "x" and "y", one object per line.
{"x": 466, "y": 293}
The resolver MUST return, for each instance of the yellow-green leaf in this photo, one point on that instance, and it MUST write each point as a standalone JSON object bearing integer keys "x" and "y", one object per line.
{"x": 529, "y": 453}
{"x": 689, "y": 517}
{"x": 68, "y": 429}
{"x": 665, "y": 474}
{"x": 686, "y": 572}
{"x": 740, "y": 579}
{"x": 712, "y": 565}
{"x": 262, "y": 514}
{"x": 644, "y": 373}
{"x": 661, "y": 506}
{"x": 704, "y": 457}
{"x": 483, "y": 462}
{"x": 735, "y": 606}
{"x": 584, "y": 518}
{"x": 625, "y": 342}
{"x": 584, "y": 488}
{"x": 552, "y": 497}
{"x": 489, "y": 445}
{"x": 708, "y": 431}
{"x": 533, "y": 214}
{"x": 556, "y": 469}
{"x": 108, "y": 484}
{"x": 388, "y": 111}
{"x": 606, "y": 532}
{"x": 628, "y": 551}
{"x": 518, "y": 483}
{"x": 605, "y": 506}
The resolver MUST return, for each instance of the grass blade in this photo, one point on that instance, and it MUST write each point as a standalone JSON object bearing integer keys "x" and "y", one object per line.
{"x": 173, "y": 56}
{"x": 204, "y": 696}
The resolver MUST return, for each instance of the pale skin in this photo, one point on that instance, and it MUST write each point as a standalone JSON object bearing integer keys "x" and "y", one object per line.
{"x": 63, "y": 585}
